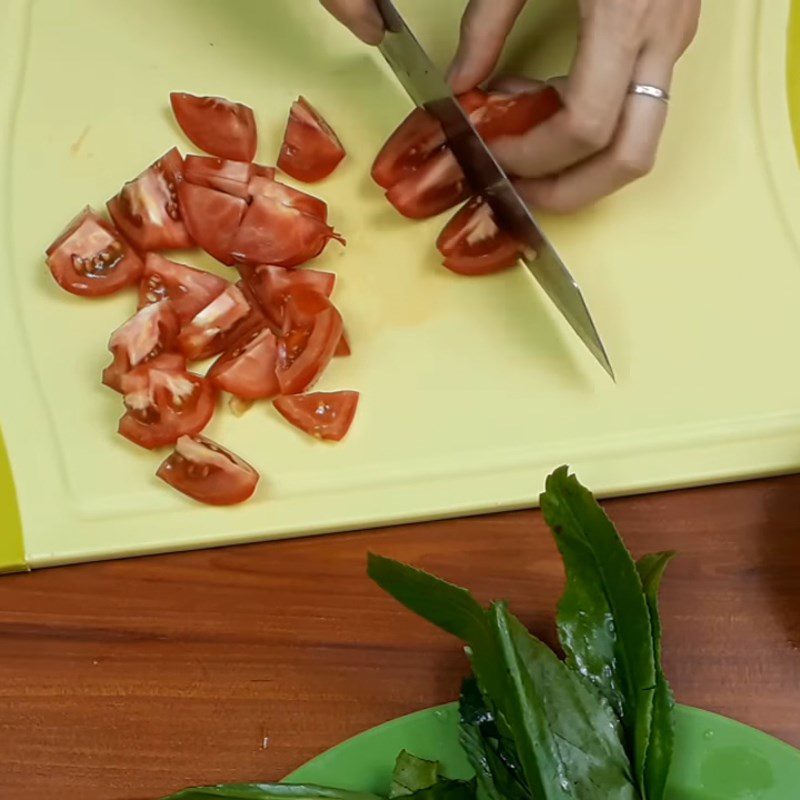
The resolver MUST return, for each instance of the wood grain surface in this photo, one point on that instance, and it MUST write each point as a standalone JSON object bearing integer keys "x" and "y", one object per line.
{"x": 126, "y": 680}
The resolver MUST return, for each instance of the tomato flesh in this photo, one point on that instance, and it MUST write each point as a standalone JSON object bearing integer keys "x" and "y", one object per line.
{"x": 146, "y": 210}
{"x": 343, "y": 348}
{"x": 208, "y": 473}
{"x": 213, "y": 329}
{"x": 310, "y": 150}
{"x": 218, "y": 126}
{"x": 514, "y": 114}
{"x": 248, "y": 370}
{"x": 288, "y": 196}
{"x": 212, "y": 218}
{"x": 325, "y": 415}
{"x": 90, "y": 258}
{"x": 222, "y": 174}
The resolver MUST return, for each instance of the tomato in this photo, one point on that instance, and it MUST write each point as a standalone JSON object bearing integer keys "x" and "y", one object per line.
{"x": 91, "y": 258}
{"x": 146, "y": 209}
{"x": 216, "y": 326}
{"x": 274, "y": 233}
{"x": 514, "y": 114}
{"x": 436, "y": 186}
{"x": 418, "y": 137}
{"x": 189, "y": 290}
{"x": 206, "y": 472}
{"x": 212, "y": 218}
{"x": 312, "y": 330}
{"x": 153, "y": 330}
{"x": 310, "y": 150}
{"x": 326, "y": 415}
{"x": 343, "y": 348}
{"x": 262, "y": 171}
{"x": 288, "y": 196}
{"x": 163, "y": 403}
{"x": 272, "y": 286}
{"x": 248, "y": 370}
{"x": 222, "y": 174}
{"x": 216, "y": 125}
{"x": 473, "y": 244}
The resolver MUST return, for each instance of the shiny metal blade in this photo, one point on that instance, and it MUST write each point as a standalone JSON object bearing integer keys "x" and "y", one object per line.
{"x": 427, "y": 88}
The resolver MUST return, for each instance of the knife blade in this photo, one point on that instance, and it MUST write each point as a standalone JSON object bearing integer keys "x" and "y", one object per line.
{"x": 427, "y": 87}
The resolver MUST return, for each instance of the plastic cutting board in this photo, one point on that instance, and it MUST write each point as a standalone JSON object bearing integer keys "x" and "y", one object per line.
{"x": 472, "y": 389}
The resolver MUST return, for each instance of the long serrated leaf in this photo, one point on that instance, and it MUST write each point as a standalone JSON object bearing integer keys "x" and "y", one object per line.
{"x": 412, "y": 774}
{"x": 270, "y": 791}
{"x": 603, "y": 619}
{"x": 662, "y": 735}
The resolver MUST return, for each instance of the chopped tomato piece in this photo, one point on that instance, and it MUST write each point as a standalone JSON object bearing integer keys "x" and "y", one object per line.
{"x": 146, "y": 209}
{"x": 163, "y": 403}
{"x": 216, "y": 125}
{"x": 153, "y": 330}
{"x": 274, "y": 233}
{"x": 436, "y": 186}
{"x": 262, "y": 171}
{"x": 189, "y": 290}
{"x": 473, "y": 243}
{"x": 343, "y": 348}
{"x": 326, "y": 415}
{"x": 272, "y": 286}
{"x": 208, "y": 473}
{"x": 91, "y": 258}
{"x": 212, "y": 218}
{"x": 288, "y": 196}
{"x": 231, "y": 177}
{"x": 312, "y": 330}
{"x": 248, "y": 370}
{"x": 514, "y": 114}
{"x": 311, "y": 150}
{"x": 213, "y": 329}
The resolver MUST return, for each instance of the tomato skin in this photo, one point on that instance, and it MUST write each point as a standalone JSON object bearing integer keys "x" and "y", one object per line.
{"x": 90, "y": 257}
{"x": 212, "y": 217}
{"x": 207, "y": 472}
{"x": 218, "y": 126}
{"x": 222, "y": 174}
{"x": 343, "y": 347}
{"x": 310, "y": 149}
{"x": 146, "y": 210}
{"x": 216, "y": 326}
{"x": 248, "y": 370}
{"x": 288, "y": 196}
{"x": 189, "y": 290}
{"x": 514, "y": 114}
{"x": 324, "y": 415}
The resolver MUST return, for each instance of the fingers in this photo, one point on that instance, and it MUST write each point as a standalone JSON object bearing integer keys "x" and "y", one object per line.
{"x": 361, "y": 16}
{"x": 484, "y": 28}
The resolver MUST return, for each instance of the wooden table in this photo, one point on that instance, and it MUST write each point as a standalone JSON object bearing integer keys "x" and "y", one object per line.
{"x": 131, "y": 679}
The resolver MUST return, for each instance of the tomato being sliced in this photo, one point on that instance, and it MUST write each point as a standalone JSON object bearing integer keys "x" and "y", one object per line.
{"x": 289, "y": 196}
{"x": 146, "y": 209}
{"x": 222, "y": 174}
{"x": 216, "y": 125}
{"x": 248, "y": 370}
{"x": 274, "y": 233}
{"x": 263, "y": 171}
{"x": 310, "y": 150}
{"x": 151, "y": 331}
{"x": 212, "y": 218}
{"x": 473, "y": 244}
{"x": 343, "y": 348}
{"x": 312, "y": 330}
{"x": 437, "y": 185}
{"x": 163, "y": 403}
{"x": 208, "y": 473}
{"x": 91, "y": 258}
{"x": 513, "y": 114}
{"x": 190, "y": 290}
{"x": 325, "y": 415}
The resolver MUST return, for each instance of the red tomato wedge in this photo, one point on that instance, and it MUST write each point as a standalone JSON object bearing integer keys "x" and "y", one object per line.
{"x": 262, "y": 171}
{"x": 343, "y": 348}
{"x": 189, "y": 290}
{"x": 216, "y": 326}
{"x": 231, "y": 177}
{"x": 163, "y": 404}
{"x": 248, "y": 370}
{"x": 514, "y": 114}
{"x": 91, "y": 258}
{"x": 288, "y": 196}
{"x": 437, "y": 185}
{"x": 473, "y": 244}
{"x": 310, "y": 150}
{"x": 216, "y": 125}
{"x": 212, "y": 218}
{"x": 208, "y": 473}
{"x": 274, "y": 233}
{"x": 312, "y": 330}
{"x": 146, "y": 210}
{"x": 325, "y": 415}
{"x": 153, "y": 330}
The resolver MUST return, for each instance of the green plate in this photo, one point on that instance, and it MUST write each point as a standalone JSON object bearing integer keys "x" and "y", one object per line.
{"x": 716, "y": 758}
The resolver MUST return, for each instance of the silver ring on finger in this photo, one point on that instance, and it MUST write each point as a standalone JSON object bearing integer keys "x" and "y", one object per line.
{"x": 648, "y": 90}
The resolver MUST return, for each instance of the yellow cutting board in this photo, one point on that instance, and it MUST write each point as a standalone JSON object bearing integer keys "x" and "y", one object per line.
{"x": 472, "y": 389}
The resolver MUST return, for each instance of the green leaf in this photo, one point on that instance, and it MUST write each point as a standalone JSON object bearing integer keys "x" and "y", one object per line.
{"x": 445, "y": 789}
{"x": 412, "y": 774}
{"x": 270, "y": 791}
{"x": 603, "y": 620}
{"x": 662, "y": 738}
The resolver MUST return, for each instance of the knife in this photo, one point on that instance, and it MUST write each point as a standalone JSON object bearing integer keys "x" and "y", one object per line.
{"x": 428, "y": 89}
